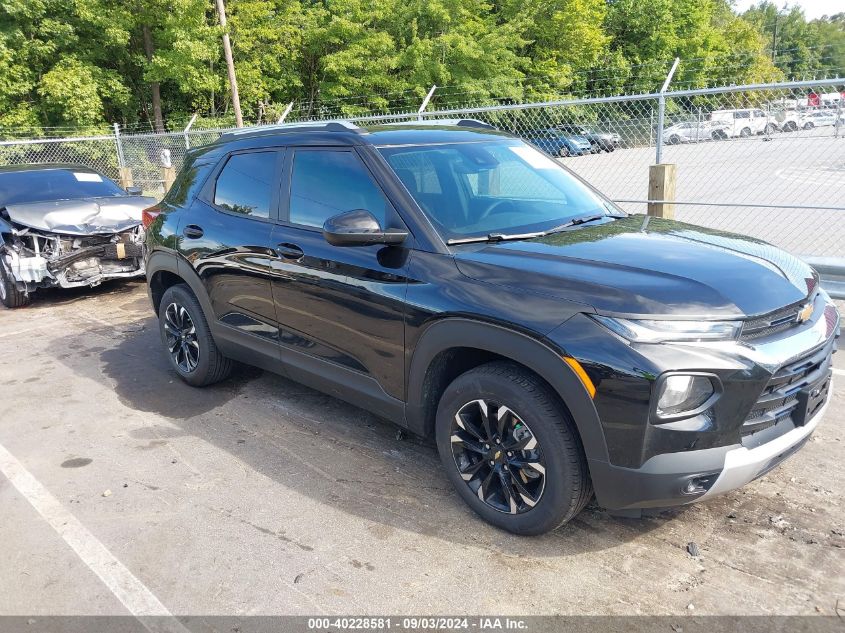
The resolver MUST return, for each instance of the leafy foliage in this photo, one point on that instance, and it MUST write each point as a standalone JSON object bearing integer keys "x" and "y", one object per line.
{"x": 84, "y": 63}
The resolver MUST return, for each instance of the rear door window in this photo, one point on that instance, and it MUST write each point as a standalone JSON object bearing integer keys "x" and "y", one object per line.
{"x": 246, "y": 183}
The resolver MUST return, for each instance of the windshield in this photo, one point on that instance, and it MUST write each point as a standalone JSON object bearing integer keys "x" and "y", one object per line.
{"x": 39, "y": 185}
{"x": 496, "y": 186}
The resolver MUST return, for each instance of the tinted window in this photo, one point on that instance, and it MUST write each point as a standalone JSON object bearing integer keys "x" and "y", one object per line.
{"x": 246, "y": 184}
{"x": 325, "y": 183}
{"x": 20, "y": 187}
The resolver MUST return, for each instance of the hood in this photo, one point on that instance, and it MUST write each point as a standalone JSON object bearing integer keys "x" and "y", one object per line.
{"x": 83, "y": 216}
{"x": 670, "y": 269}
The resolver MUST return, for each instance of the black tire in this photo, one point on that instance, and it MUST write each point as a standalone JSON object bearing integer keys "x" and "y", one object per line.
{"x": 809, "y": 125}
{"x": 674, "y": 140}
{"x": 208, "y": 366}
{"x": 563, "y": 152}
{"x": 719, "y": 135}
{"x": 771, "y": 128}
{"x": 10, "y": 296}
{"x": 745, "y": 132}
{"x": 566, "y": 487}
{"x": 790, "y": 126}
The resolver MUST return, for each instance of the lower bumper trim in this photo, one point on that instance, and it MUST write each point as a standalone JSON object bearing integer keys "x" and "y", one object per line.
{"x": 743, "y": 465}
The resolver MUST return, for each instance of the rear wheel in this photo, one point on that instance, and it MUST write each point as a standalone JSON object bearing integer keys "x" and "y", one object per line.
{"x": 809, "y": 125}
{"x": 187, "y": 339}
{"x": 10, "y": 296}
{"x": 770, "y": 128}
{"x": 745, "y": 132}
{"x": 674, "y": 140}
{"x": 719, "y": 135}
{"x": 563, "y": 152}
{"x": 511, "y": 450}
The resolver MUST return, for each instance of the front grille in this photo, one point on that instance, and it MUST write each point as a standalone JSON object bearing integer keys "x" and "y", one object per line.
{"x": 780, "y": 399}
{"x": 772, "y": 323}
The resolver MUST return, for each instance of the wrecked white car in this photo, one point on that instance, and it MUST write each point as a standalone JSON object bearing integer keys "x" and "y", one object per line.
{"x": 66, "y": 226}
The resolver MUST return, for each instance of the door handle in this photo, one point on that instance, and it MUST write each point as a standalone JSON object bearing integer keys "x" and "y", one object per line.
{"x": 289, "y": 251}
{"x": 192, "y": 231}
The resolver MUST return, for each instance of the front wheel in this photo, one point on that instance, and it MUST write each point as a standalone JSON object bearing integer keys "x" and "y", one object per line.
{"x": 10, "y": 296}
{"x": 809, "y": 125}
{"x": 511, "y": 450}
{"x": 745, "y": 132}
{"x": 187, "y": 339}
{"x": 563, "y": 152}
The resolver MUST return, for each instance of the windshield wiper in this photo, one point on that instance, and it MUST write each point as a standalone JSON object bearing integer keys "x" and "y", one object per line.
{"x": 582, "y": 220}
{"x": 501, "y": 237}
{"x": 495, "y": 237}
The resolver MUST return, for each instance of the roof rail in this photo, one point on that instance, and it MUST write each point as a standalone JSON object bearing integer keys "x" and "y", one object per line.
{"x": 265, "y": 130}
{"x": 444, "y": 122}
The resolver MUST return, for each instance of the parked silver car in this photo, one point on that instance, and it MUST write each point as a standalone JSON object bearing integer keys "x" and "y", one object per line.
{"x": 695, "y": 132}
{"x": 66, "y": 226}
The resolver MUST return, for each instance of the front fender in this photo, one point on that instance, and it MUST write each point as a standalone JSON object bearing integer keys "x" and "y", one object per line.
{"x": 536, "y": 355}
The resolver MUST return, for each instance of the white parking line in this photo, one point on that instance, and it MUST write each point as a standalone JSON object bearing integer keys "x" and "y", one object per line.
{"x": 134, "y": 595}
{"x": 839, "y": 372}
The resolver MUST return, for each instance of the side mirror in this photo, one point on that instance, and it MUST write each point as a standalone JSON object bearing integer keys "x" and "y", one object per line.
{"x": 359, "y": 228}
{"x": 134, "y": 191}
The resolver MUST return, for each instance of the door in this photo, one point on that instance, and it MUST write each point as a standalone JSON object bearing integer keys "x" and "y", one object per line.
{"x": 226, "y": 237}
{"x": 340, "y": 309}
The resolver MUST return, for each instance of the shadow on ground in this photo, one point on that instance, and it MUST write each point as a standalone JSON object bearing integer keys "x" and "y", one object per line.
{"x": 331, "y": 451}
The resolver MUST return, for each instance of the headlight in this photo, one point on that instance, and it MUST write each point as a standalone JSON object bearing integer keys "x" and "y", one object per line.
{"x": 658, "y": 331}
{"x": 681, "y": 393}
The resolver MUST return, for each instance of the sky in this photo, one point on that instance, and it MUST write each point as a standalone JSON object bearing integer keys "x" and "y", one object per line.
{"x": 812, "y": 8}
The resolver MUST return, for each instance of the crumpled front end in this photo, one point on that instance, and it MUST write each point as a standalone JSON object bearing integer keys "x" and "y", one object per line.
{"x": 39, "y": 259}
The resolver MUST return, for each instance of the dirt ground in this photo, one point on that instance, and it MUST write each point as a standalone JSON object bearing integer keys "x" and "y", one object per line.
{"x": 125, "y": 487}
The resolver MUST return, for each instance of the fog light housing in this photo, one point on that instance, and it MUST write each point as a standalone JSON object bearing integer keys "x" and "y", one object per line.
{"x": 682, "y": 395}
{"x": 699, "y": 485}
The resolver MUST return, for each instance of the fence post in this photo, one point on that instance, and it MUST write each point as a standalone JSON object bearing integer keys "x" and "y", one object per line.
{"x": 661, "y": 111}
{"x": 188, "y": 127}
{"x": 425, "y": 102}
{"x": 124, "y": 173}
{"x": 661, "y": 189}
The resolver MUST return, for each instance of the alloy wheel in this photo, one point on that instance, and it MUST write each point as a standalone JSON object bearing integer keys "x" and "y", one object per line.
{"x": 498, "y": 456}
{"x": 181, "y": 337}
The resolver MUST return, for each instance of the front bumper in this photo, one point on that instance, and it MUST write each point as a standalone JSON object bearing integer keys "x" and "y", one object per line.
{"x": 743, "y": 465}
{"x": 662, "y": 480}
{"x": 775, "y": 390}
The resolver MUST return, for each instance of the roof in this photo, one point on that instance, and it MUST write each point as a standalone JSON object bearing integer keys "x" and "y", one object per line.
{"x": 46, "y": 166}
{"x": 415, "y": 132}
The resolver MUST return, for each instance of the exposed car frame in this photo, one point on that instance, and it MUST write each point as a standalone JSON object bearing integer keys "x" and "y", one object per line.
{"x": 68, "y": 242}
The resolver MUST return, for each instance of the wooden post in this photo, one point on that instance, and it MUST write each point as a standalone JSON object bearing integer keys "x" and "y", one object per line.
{"x": 125, "y": 177}
{"x": 661, "y": 186}
{"x": 168, "y": 175}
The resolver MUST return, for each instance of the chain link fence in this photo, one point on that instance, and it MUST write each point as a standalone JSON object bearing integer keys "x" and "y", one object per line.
{"x": 765, "y": 160}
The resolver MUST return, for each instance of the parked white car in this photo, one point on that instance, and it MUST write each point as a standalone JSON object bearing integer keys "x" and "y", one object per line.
{"x": 821, "y": 118}
{"x": 745, "y": 122}
{"x": 695, "y": 132}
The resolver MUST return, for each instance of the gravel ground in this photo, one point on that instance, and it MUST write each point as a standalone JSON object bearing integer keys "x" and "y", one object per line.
{"x": 259, "y": 496}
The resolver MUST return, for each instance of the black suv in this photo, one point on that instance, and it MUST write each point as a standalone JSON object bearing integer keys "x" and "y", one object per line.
{"x": 461, "y": 283}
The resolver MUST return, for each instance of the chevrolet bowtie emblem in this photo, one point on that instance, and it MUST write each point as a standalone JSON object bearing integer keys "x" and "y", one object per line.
{"x": 806, "y": 313}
